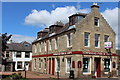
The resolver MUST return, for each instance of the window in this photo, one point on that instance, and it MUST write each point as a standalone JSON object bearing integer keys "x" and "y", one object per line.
{"x": 87, "y": 39}
{"x": 35, "y": 48}
{"x": 97, "y": 40}
{"x": 39, "y": 63}
{"x": 106, "y": 65}
{"x": 106, "y": 38}
{"x": 50, "y": 44}
{"x": 86, "y": 65}
{"x": 57, "y": 64}
{"x": 7, "y": 54}
{"x": 40, "y": 47}
{"x": 56, "y": 43}
{"x": 27, "y": 54}
{"x": 96, "y": 21}
{"x": 45, "y": 63}
{"x": 45, "y": 45}
{"x": 68, "y": 40}
{"x": 19, "y": 65}
{"x": 18, "y": 54}
{"x": 34, "y": 63}
{"x": 68, "y": 64}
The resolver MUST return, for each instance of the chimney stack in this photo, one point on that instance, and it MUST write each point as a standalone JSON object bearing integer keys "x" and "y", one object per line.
{"x": 95, "y": 7}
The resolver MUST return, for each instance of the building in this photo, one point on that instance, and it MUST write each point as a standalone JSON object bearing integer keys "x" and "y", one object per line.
{"x": 79, "y": 45}
{"x": 18, "y": 56}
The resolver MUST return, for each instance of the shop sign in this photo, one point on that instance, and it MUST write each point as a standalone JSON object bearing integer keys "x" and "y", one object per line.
{"x": 108, "y": 45}
{"x": 96, "y": 53}
{"x": 63, "y": 53}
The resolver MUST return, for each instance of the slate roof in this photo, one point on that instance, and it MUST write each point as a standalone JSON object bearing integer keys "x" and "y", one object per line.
{"x": 23, "y": 46}
{"x": 61, "y": 30}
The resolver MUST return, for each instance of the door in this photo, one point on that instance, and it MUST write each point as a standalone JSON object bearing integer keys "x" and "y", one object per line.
{"x": 53, "y": 65}
{"x": 49, "y": 65}
{"x": 97, "y": 67}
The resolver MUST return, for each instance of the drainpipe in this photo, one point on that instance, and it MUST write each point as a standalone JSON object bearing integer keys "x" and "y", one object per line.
{"x": 46, "y": 56}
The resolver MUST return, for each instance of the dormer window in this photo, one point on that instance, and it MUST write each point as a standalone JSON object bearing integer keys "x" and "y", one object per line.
{"x": 96, "y": 21}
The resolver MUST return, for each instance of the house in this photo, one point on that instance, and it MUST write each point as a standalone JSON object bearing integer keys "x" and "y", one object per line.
{"x": 19, "y": 56}
{"x": 86, "y": 45}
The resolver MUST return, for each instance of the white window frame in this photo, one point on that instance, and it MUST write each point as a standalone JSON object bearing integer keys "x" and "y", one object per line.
{"x": 56, "y": 43}
{"x": 39, "y": 63}
{"x": 97, "y": 21}
{"x": 50, "y": 44}
{"x": 69, "y": 40}
{"x": 107, "y": 38}
{"x": 56, "y": 64}
{"x": 87, "y": 39}
{"x": 67, "y": 65}
{"x": 98, "y": 41}
{"x": 35, "y": 48}
{"x": 35, "y": 60}
{"x": 45, "y": 63}
{"x": 110, "y": 66}
{"x": 89, "y": 66}
{"x": 40, "y": 47}
{"x": 45, "y": 46}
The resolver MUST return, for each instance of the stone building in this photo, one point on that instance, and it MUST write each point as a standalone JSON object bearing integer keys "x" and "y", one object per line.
{"x": 77, "y": 45}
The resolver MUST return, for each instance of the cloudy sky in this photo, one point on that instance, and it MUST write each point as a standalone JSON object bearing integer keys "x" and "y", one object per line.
{"x": 24, "y": 19}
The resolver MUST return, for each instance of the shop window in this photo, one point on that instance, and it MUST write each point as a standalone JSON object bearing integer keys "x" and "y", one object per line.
{"x": 96, "y": 21}
{"x": 57, "y": 64}
{"x": 45, "y": 63}
{"x": 87, "y": 39}
{"x": 39, "y": 63}
{"x": 73, "y": 64}
{"x": 27, "y": 55}
{"x": 114, "y": 65}
{"x": 97, "y": 40}
{"x": 106, "y": 38}
{"x": 68, "y": 64}
{"x": 18, "y": 54}
{"x": 19, "y": 65}
{"x": 86, "y": 65}
{"x": 34, "y": 63}
{"x": 106, "y": 65}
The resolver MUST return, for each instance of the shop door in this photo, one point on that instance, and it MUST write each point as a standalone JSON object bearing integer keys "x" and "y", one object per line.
{"x": 97, "y": 67}
{"x": 49, "y": 65}
{"x": 53, "y": 65}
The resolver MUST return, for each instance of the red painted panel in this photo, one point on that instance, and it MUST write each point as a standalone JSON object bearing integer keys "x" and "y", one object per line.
{"x": 53, "y": 65}
{"x": 73, "y": 64}
{"x": 98, "y": 67}
{"x": 49, "y": 66}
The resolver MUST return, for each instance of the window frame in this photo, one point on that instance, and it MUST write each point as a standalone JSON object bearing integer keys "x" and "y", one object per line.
{"x": 87, "y": 38}
{"x": 27, "y": 55}
{"x": 88, "y": 65}
{"x": 106, "y": 36}
{"x": 68, "y": 65}
{"x": 56, "y": 43}
{"x": 57, "y": 65}
{"x": 98, "y": 40}
{"x": 19, "y": 56}
{"x": 96, "y": 21}
{"x": 50, "y": 44}
{"x": 69, "y": 44}
{"x": 20, "y": 65}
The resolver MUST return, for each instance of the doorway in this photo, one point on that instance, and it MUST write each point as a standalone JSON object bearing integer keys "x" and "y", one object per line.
{"x": 97, "y": 67}
{"x": 53, "y": 65}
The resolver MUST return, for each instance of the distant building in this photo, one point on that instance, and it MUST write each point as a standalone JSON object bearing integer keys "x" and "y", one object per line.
{"x": 86, "y": 44}
{"x": 19, "y": 56}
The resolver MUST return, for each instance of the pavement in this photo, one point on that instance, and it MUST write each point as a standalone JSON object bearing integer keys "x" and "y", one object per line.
{"x": 38, "y": 76}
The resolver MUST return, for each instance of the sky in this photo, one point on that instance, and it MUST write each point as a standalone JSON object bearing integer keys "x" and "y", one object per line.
{"x": 24, "y": 19}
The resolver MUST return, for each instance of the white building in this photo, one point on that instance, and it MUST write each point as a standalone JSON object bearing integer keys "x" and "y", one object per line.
{"x": 20, "y": 54}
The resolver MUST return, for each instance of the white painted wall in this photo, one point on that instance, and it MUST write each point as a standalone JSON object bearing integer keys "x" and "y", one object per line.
{"x": 22, "y": 59}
